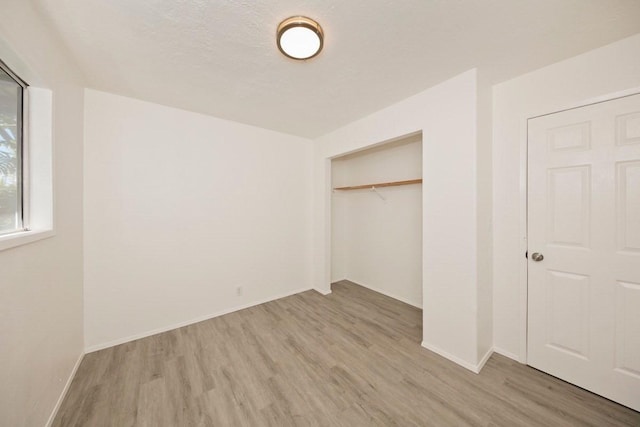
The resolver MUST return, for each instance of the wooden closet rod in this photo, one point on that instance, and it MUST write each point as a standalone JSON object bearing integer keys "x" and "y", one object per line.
{"x": 381, "y": 184}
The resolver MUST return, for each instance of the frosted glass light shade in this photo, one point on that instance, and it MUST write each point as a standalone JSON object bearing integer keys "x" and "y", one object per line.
{"x": 300, "y": 37}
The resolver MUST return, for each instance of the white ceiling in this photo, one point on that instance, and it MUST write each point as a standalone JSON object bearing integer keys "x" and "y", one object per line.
{"x": 220, "y": 57}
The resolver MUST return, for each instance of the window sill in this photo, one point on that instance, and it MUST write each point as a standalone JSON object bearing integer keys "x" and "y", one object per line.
{"x": 20, "y": 238}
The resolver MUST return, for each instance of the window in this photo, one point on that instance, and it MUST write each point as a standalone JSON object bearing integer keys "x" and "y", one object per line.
{"x": 26, "y": 155}
{"x": 11, "y": 152}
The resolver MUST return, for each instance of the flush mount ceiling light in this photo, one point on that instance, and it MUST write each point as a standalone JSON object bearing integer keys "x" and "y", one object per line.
{"x": 300, "y": 37}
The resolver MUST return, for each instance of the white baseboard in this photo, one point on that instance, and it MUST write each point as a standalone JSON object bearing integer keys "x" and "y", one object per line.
{"x": 506, "y": 353}
{"x": 177, "y": 325}
{"x": 390, "y": 295}
{"x": 322, "y": 291}
{"x": 484, "y": 360}
{"x": 451, "y": 357}
{"x": 470, "y": 366}
{"x": 64, "y": 391}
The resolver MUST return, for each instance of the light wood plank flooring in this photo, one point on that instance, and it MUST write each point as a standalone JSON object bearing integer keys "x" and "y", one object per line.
{"x": 352, "y": 358}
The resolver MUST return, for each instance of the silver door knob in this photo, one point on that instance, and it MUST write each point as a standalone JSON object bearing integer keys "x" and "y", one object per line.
{"x": 537, "y": 257}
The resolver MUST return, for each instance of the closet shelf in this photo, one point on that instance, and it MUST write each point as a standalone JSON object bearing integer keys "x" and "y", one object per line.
{"x": 381, "y": 184}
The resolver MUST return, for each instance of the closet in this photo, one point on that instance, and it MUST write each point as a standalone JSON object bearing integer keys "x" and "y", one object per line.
{"x": 376, "y": 233}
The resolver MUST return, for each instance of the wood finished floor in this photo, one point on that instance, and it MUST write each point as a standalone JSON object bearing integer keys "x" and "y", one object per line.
{"x": 352, "y": 358}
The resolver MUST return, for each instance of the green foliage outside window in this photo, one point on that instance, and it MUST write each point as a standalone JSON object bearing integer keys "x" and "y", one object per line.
{"x": 9, "y": 154}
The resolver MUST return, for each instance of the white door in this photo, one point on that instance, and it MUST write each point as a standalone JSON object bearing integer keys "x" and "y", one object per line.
{"x": 584, "y": 231}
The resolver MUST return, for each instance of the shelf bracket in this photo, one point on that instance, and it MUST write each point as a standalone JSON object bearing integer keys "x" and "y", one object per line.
{"x": 373, "y": 188}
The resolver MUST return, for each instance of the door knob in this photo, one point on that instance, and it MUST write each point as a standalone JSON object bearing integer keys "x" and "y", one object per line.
{"x": 537, "y": 257}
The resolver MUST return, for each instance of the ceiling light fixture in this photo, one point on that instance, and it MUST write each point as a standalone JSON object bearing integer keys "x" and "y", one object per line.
{"x": 300, "y": 37}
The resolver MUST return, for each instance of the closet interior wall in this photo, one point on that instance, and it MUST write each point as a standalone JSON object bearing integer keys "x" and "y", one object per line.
{"x": 377, "y": 235}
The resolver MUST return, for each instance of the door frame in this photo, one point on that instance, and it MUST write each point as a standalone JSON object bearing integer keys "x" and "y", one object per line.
{"x": 523, "y": 275}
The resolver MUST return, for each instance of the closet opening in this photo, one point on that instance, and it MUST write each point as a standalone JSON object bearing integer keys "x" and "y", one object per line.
{"x": 376, "y": 223}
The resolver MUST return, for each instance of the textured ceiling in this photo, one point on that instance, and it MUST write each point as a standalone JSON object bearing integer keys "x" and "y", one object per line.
{"x": 220, "y": 58}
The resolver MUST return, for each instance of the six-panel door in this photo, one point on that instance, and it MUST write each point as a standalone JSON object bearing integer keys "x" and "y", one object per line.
{"x": 584, "y": 217}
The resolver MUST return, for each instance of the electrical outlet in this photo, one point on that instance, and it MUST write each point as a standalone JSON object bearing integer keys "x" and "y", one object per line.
{"x": 239, "y": 291}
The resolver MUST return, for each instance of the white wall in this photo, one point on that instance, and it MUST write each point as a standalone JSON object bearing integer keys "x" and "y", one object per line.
{"x": 596, "y": 75}
{"x": 180, "y": 210}
{"x": 378, "y": 243}
{"x": 339, "y": 230}
{"x": 446, "y": 114}
{"x": 484, "y": 244}
{"x": 41, "y": 336}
